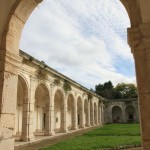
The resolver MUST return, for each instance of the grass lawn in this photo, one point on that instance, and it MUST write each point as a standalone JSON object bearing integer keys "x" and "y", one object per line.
{"x": 108, "y": 136}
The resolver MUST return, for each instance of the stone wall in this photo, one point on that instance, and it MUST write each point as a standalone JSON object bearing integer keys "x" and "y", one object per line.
{"x": 121, "y": 111}
{"x": 49, "y": 102}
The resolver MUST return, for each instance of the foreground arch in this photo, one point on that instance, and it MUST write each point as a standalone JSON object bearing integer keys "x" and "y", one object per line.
{"x": 13, "y": 15}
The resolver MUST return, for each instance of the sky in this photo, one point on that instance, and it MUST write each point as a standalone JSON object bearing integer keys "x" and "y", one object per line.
{"x": 86, "y": 40}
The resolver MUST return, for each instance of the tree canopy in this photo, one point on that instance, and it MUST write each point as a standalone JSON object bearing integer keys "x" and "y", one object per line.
{"x": 120, "y": 91}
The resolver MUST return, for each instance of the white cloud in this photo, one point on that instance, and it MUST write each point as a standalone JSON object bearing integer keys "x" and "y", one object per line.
{"x": 82, "y": 39}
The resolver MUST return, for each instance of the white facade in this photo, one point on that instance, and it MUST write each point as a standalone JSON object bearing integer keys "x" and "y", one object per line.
{"x": 45, "y": 106}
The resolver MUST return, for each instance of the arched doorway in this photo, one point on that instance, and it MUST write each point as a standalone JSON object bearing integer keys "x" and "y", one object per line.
{"x": 41, "y": 101}
{"x": 130, "y": 114}
{"x": 22, "y": 98}
{"x": 58, "y": 111}
{"x": 70, "y": 112}
{"x": 117, "y": 114}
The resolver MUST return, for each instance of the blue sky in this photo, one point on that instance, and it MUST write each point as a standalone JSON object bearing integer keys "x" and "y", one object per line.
{"x": 85, "y": 40}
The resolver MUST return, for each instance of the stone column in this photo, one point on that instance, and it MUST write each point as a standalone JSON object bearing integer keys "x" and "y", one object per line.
{"x": 82, "y": 116}
{"x": 139, "y": 40}
{"x": 28, "y": 114}
{"x": 102, "y": 114}
{"x": 88, "y": 113}
{"x": 9, "y": 65}
{"x": 49, "y": 128}
{"x": 100, "y": 119}
{"x": 92, "y": 114}
{"x": 75, "y": 126}
{"x": 64, "y": 115}
{"x": 97, "y": 115}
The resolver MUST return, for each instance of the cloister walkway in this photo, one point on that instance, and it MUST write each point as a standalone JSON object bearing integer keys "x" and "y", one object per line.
{"x": 45, "y": 141}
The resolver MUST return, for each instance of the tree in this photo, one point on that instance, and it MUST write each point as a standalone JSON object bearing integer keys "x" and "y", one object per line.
{"x": 120, "y": 91}
{"x": 125, "y": 90}
{"x": 105, "y": 90}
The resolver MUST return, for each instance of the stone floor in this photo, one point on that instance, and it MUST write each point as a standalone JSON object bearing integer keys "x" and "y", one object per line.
{"x": 45, "y": 141}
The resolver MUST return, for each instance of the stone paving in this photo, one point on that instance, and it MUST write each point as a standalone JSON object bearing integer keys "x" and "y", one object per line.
{"x": 45, "y": 141}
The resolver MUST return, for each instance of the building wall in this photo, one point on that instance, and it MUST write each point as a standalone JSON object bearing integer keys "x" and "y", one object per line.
{"x": 127, "y": 111}
{"x": 51, "y": 106}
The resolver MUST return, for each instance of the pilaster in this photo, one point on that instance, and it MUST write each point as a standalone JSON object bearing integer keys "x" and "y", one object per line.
{"x": 49, "y": 130}
{"x": 28, "y": 116}
{"x": 9, "y": 68}
{"x": 64, "y": 115}
{"x": 75, "y": 126}
{"x": 139, "y": 40}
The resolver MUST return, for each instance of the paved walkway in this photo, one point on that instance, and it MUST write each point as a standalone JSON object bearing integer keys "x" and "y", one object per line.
{"x": 45, "y": 141}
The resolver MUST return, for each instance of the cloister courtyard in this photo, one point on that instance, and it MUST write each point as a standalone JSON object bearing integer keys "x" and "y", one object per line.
{"x": 38, "y": 102}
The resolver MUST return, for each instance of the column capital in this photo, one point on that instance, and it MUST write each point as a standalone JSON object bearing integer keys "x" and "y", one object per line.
{"x": 139, "y": 37}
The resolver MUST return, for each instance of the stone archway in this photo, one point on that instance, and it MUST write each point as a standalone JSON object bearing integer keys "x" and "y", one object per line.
{"x": 117, "y": 114}
{"x": 22, "y": 98}
{"x": 41, "y": 101}
{"x": 14, "y": 14}
{"x": 130, "y": 114}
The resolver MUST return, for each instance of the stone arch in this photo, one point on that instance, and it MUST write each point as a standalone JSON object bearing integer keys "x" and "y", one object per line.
{"x": 117, "y": 114}
{"x": 58, "y": 110}
{"x": 22, "y": 99}
{"x": 16, "y": 10}
{"x": 91, "y": 113}
{"x": 42, "y": 99}
{"x": 14, "y": 23}
{"x": 70, "y": 111}
{"x": 130, "y": 114}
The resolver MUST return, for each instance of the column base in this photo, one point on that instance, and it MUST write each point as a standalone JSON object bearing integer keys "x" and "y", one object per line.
{"x": 65, "y": 131}
{"x": 88, "y": 125}
{"x": 75, "y": 128}
{"x": 49, "y": 133}
{"x": 82, "y": 126}
{"x": 25, "y": 138}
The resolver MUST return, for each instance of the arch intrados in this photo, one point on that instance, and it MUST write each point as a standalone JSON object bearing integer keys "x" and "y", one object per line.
{"x": 16, "y": 19}
{"x": 60, "y": 93}
{"x": 116, "y": 107}
{"x": 44, "y": 87}
{"x": 23, "y": 82}
{"x": 79, "y": 100}
{"x": 71, "y": 98}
